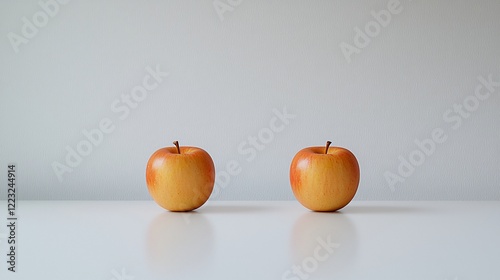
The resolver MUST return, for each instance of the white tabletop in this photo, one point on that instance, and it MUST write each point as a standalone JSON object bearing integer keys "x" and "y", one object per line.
{"x": 254, "y": 240}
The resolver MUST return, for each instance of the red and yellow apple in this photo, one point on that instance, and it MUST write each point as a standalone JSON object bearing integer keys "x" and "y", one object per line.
{"x": 180, "y": 178}
{"x": 324, "y": 178}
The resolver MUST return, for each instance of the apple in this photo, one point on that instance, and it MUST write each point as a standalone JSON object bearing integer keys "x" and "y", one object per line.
{"x": 324, "y": 178}
{"x": 180, "y": 178}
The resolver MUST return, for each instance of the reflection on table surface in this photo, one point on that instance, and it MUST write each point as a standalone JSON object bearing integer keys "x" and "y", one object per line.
{"x": 255, "y": 240}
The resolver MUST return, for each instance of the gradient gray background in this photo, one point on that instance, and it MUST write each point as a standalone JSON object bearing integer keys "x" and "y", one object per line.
{"x": 226, "y": 77}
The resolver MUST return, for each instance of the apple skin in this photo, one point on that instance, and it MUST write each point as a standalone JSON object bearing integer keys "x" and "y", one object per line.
{"x": 324, "y": 181}
{"x": 180, "y": 182}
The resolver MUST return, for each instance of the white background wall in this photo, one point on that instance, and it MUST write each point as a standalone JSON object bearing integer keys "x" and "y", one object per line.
{"x": 228, "y": 70}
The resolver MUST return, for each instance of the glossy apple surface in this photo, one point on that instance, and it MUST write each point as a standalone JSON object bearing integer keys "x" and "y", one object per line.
{"x": 324, "y": 178}
{"x": 180, "y": 178}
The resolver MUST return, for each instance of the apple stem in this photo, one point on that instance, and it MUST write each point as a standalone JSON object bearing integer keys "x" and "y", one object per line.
{"x": 327, "y": 146}
{"x": 176, "y": 143}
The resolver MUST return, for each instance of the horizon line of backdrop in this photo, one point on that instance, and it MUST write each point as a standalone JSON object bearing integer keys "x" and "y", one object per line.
{"x": 90, "y": 89}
